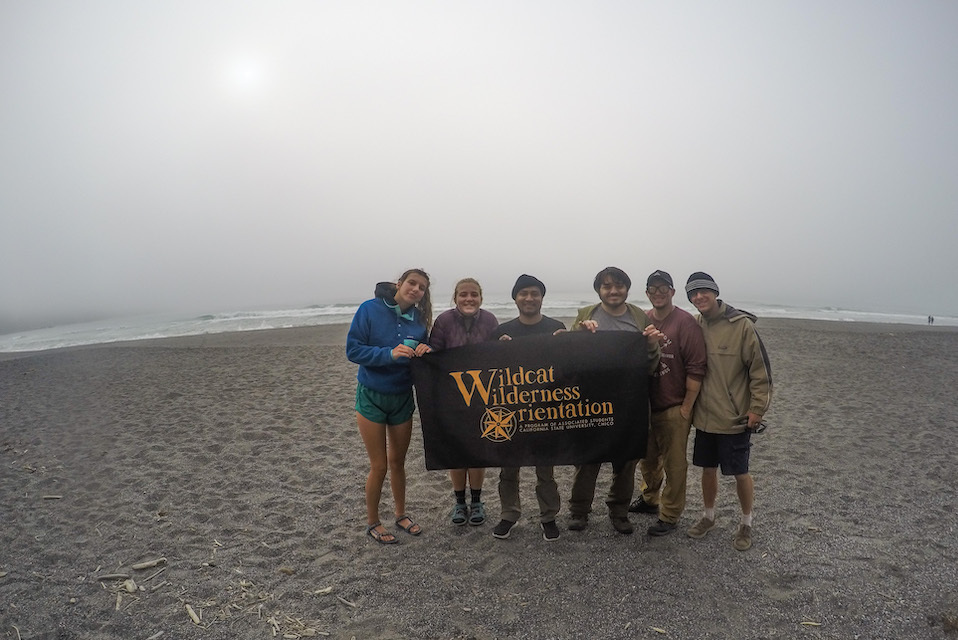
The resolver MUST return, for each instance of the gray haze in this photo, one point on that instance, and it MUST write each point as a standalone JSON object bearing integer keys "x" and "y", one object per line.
{"x": 203, "y": 156}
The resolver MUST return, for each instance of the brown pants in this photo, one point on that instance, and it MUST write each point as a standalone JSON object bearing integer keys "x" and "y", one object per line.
{"x": 665, "y": 465}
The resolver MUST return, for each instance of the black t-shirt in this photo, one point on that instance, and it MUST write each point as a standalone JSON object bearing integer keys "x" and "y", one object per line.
{"x": 515, "y": 329}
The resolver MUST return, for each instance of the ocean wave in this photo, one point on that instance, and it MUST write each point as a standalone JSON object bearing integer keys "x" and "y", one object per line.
{"x": 557, "y": 306}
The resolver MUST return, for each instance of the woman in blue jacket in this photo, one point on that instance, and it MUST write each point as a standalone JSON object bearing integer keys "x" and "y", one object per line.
{"x": 465, "y": 324}
{"x": 385, "y": 333}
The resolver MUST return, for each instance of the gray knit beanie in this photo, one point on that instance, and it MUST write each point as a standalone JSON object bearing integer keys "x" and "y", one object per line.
{"x": 700, "y": 280}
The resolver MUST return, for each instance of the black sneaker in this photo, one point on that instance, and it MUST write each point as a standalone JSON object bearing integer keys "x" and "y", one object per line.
{"x": 641, "y": 506}
{"x": 661, "y": 528}
{"x": 550, "y": 531}
{"x": 578, "y": 523}
{"x": 503, "y": 529}
{"x": 622, "y": 524}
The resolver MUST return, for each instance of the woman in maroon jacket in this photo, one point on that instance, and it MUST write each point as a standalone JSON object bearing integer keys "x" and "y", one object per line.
{"x": 465, "y": 324}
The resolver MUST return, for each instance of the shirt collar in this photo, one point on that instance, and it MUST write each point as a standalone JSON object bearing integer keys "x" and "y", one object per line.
{"x": 409, "y": 315}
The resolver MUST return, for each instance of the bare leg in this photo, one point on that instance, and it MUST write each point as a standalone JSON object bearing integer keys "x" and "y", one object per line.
{"x": 374, "y": 437}
{"x": 476, "y": 476}
{"x": 746, "y": 492}
{"x": 709, "y": 487}
{"x": 458, "y": 477}
{"x": 398, "y": 437}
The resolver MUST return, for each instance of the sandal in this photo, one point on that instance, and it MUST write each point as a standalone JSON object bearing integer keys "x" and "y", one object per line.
{"x": 477, "y": 514}
{"x": 382, "y": 537}
{"x": 412, "y": 528}
{"x": 460, "y": 514}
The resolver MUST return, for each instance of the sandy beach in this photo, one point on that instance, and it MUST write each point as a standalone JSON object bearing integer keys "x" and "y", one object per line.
{"x": 231, "y": 466}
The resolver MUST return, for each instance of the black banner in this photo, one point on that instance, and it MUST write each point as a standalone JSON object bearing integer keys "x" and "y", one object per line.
{"x": 573, "y": 398}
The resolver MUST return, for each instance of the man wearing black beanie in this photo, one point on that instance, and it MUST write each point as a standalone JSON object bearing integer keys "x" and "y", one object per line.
{"x": 528, "y": 292}
{"x": 524, "y": 281}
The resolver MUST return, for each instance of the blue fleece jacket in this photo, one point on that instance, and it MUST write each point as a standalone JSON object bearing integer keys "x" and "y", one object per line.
{"x": 376, "y": 329}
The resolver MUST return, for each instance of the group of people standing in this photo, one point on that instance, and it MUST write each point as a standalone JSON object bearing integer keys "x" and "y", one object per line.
{"x": 710, "y": 371}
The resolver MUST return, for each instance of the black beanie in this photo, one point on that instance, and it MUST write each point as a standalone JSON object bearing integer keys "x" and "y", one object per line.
{"x": 525, "y": 280}
{"x": 700, "y": 280}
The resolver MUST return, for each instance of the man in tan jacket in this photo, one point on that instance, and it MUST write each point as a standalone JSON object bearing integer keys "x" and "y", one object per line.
{"x": 735, "y": 394}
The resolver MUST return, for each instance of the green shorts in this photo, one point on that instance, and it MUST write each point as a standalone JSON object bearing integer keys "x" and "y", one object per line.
{"x": 384, "y": 408}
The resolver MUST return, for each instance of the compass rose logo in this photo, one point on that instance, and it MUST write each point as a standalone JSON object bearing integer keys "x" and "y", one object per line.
{"x": 498, "y": 424}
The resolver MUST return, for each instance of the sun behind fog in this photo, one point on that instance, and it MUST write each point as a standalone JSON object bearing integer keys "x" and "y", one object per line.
{"x": 246, "y": 75}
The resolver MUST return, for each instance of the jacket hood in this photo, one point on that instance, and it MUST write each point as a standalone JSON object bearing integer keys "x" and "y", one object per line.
{"x": 385, "y": 290}
{"x": 732, "y": 314}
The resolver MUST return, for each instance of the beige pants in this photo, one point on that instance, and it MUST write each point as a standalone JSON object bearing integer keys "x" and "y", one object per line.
{"x": 665, "y": 465}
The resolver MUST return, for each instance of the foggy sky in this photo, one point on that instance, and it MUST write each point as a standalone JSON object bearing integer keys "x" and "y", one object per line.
{"x": 203, "y": 156}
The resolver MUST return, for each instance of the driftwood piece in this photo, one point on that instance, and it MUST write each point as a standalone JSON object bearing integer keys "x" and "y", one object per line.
{"x": 148, "y": 564}
{"x": 153, "y": 575}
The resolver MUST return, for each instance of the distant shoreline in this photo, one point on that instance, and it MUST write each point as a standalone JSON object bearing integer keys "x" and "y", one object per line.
{"x": 335, "y": 334}
{"x": 559, "y": 305}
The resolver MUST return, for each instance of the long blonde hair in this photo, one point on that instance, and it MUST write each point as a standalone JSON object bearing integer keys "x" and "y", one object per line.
{"x": 425, "y": 304}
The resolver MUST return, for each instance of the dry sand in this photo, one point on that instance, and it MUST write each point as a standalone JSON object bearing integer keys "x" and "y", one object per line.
{"x": 235, "y": 458}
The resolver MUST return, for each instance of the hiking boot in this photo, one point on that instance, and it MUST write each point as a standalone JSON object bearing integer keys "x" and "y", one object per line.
{"x": 460, "y": 513}
{"x": 661, "y": 528}
{"x": 550, "y": 531}
{"x": 503, "y": 529}
{"x": 700, "y": 528}
{"x": 743, "y": 538}
{"x": 622, "y": 524}
{"x": 477, "y": 513}
{"x": 641, "y": 506}
{"x": 578, "y": 523}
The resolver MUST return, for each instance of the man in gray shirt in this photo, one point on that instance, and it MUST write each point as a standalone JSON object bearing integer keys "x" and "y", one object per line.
{"x": 613, "y": 313}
